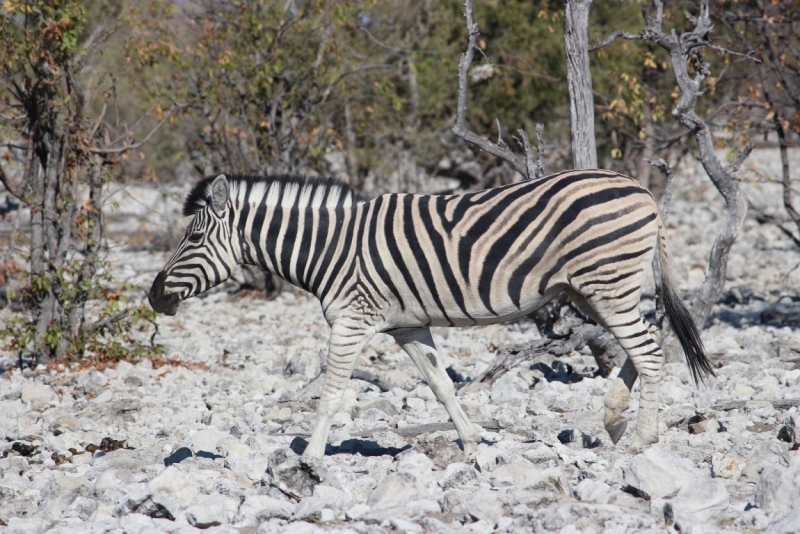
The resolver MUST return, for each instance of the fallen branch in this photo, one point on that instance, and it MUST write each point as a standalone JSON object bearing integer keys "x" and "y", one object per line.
{"x": 417, "y": 430}
{"x": 383, "y": 384}
{"x": 778, "y": 404}
{"x": 579, "y": 334}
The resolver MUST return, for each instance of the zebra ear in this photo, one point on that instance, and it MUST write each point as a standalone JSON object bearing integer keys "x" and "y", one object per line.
{"x": 219, "y": 193}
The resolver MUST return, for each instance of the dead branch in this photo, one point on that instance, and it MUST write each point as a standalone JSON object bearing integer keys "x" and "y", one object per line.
{"x": 416, "y": 430}
{"x": 383, "y": 384}
{"x": 578, "y": 334}
{"x": 778, "y": 404}
{"x": 539, "y": 150}
{"x": 108, "y": 322}
{"x": 683, "y": 49}
{"x": 460, "y": 129}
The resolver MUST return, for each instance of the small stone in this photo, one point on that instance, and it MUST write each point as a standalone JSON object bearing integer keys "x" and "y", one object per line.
{"x": 727, "y": 466}
{"x": 778, "y": 489}
{"x": 705, "y": 499}
{"x": 589, "y": 490}
{"x": 39, "y": 396}
{"x": 172, "y": 490}
{"x": 658, "y": 472}
{"x": 457, "y": 473}
{"x": 207, "y": 511}
{"x": 485, "y": 505}
{"x": 787, "y": 524}
{"x": 539, "y": 452}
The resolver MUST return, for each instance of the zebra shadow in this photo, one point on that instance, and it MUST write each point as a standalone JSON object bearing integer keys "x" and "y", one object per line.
{"x": 363, "y": 447}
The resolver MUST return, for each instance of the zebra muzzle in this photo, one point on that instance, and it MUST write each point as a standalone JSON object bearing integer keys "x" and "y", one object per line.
{"x": 166, "y": 303}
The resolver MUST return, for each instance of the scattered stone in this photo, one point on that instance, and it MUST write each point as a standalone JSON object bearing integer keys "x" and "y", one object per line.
{"x": 172, "y": 490}
{"x": 486, "y": 505}
{"x": 727, "y": 466}
{"x": 457, "y": 473}
{"x": 294, "y": 475}
{"x": 658, "y": 472}
{"x": 207, "y": 511}
{"x": 539, "y": 452}
{"x": 778, "y": 489}
{"x": 706, "y": 500}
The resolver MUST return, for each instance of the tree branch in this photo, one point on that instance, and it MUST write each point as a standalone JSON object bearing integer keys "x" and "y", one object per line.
{"x": 460, "y": 129}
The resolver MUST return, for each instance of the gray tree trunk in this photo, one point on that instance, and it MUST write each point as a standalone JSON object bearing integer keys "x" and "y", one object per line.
{"x": 579, "y": 83}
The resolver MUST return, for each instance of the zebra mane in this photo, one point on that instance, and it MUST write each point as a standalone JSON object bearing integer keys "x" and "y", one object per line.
{"x": 344, "y": 194}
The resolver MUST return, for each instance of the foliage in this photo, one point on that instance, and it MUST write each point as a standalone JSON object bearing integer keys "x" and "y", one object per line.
{"x": 64, "y": 149}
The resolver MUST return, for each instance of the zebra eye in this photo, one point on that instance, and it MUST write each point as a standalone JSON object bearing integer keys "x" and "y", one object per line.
{"x": 196, "y": 238}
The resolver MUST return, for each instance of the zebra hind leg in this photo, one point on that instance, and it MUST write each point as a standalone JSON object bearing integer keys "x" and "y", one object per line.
{"x": 645, "y": 358}
{"x": 344, "y": 347}
{"x": 617, "y": 399}
{"x": 418, "y": 344}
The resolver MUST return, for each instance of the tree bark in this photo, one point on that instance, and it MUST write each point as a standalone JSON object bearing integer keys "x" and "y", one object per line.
{"x": 579, "y": 83}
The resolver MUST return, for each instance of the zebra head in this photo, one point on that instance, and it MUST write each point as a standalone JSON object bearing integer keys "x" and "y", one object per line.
{"x": 205, "y": 256}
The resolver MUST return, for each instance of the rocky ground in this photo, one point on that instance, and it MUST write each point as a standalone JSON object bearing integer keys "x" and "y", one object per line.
{"x": 210, "y": 439}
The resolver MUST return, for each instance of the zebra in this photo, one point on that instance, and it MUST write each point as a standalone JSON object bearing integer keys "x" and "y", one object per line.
{"x": 400, "y": 264}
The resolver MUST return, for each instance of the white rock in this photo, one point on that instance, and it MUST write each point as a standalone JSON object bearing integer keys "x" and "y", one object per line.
{"x": 778, "y": 489}
{"x": 705, "y": 500}
{"x": 457, "y": 473}
{"x": 258, "y": 508}
{"x": 357, "y": 511}
{"x": 396, "y": 490}
{"x": 659, "y": 472}
{"x": 206, "y": 440}
{"x": 415, "y": 464}
{"x": 486, "y": 505}
{"x": 589, "y": 490}
{"x": 173, "y": 490}
{"x": 207, "y": 511}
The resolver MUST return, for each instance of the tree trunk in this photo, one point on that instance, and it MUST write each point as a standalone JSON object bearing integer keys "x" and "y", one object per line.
{"x": 579, "y": 83}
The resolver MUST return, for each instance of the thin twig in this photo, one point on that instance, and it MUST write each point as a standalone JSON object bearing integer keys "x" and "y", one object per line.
{"x": 108, "y": 322}
{"x": 540, "y": 150}
{"x": 134, "y": 146}
{"x": 526, "y": 147}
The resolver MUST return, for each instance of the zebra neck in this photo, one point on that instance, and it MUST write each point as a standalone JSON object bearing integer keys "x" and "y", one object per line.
{"x": 298, "y": 244}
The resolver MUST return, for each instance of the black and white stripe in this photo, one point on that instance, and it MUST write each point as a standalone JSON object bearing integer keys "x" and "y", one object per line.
{"x": 402, "y": 263}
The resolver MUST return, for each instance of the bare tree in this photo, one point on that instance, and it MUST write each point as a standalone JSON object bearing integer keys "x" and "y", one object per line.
{"x": 684, "y": 50}
{"x": 579, "y": 84}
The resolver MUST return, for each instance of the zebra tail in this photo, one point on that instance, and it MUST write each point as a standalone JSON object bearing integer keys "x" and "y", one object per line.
{"x": 679, "y": 317}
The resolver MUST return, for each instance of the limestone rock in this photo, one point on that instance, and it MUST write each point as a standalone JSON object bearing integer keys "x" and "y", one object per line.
{"x": 172, "y": 490}
{"x": 659, "y": 472}
{"x": 704, "y": 499}
{"x": 778, "y": 489}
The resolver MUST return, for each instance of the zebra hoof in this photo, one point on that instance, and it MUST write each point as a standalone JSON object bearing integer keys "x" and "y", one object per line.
{"x": 639, "y": 443}
{"x": 615, "y": 430}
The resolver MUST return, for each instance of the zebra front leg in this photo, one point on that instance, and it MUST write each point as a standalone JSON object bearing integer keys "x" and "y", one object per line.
{"x": 418, "y": 344}
{"x": 344, "y": 347}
